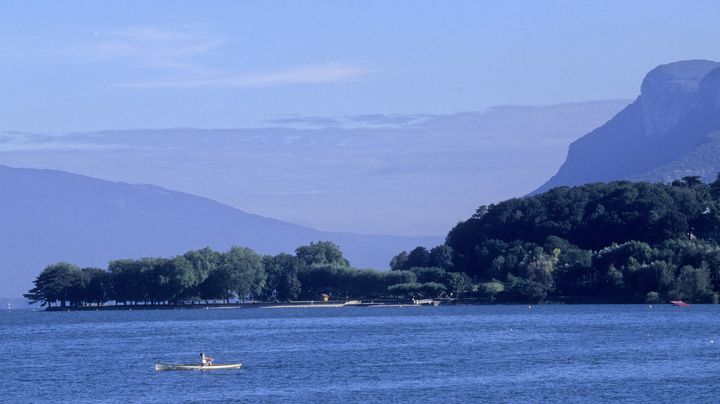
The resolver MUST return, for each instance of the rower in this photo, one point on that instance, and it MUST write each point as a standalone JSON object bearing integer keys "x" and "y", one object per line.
{"x": 205, "y": 360}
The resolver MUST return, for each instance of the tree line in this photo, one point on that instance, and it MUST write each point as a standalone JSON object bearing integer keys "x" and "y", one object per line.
{"x": 617, "y": 242}
{"x": 207, "y": 275}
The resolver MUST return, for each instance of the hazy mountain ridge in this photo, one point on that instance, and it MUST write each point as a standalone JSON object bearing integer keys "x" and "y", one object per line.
{"x": 370, "y": 174}
{"x": 668, "y": 132}
{"x": 48, "y": 216}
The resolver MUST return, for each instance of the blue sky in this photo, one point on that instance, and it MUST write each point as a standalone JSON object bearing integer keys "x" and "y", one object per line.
{"x": 89, "y": 65}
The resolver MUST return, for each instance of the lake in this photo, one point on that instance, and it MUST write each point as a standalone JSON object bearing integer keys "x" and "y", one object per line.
{"x": 504, "y": 353}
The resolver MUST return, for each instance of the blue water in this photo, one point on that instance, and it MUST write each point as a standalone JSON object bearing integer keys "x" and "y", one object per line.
{"x": 595, "y": 353}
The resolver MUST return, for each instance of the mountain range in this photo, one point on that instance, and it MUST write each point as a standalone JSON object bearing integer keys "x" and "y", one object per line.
{"x": 670, "y": 131}
{"x": 48, "y": 216}
{"x": 386, "y": 172}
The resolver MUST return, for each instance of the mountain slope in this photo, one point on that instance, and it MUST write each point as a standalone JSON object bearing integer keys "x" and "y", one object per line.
{"x": 47, "y": 216}
{"x": 668, "y": 132}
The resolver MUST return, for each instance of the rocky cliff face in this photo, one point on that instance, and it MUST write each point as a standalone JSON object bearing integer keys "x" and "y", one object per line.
{"x": 670, "y": 131}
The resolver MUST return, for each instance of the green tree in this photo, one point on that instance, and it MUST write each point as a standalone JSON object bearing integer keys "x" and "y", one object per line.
{"x": 693, "y": 285}
{"x": 203, "y": 262}
{"x": 652, "y": 297}
{"x": 715, "y": 188}
{"x": 396, "y": 277}
{"x": 289, "y": 287}
{"x": 523, "y": 291}
{"x": 321, "y": 253}
{"x": 665, "y": 275}
{"x": 282, "y": 277}
{"x": 428, "y": 274}
{"x": 441, "y": 256}
{"x": 219, "y": 285}
{"x": 612, "y": 281}
{"x": 129, "y": 280}
{"x": 247, "y": 271}
{"x": 333, "y": 280}
{"x": 490, "y": 290}
{"x": 573, "y": 273}
{"x": 418, "y": 257}
{"x": 98, "y": 286}
{"x": 432, "y": 289}
{"x": 53, "y": 284}
{"x": 456, "y": 283}
{"x": 405, "y": 290}
{"x": 399, "y": 262}
{"x": 76, "y": 291}
{"x": 175, "y": 279}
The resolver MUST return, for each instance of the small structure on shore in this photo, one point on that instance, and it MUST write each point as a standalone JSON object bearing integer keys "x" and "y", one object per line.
{"x": 425, "y": 302}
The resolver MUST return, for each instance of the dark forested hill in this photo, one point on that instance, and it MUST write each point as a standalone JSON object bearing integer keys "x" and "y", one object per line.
{"x": 48, "y": 216}
{"x": 670, "y": 131}
{"x": 616, "y": 242}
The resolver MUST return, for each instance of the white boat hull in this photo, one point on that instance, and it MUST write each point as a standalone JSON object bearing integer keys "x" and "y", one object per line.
{"x": 172, "y": 366}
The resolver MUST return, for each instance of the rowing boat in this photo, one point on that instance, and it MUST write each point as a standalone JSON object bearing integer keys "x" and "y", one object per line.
{"x": 173, "y": 366}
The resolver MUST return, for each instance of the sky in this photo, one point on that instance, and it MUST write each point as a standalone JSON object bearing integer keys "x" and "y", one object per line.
{"x": 342, "y": 115}
{"x": 92, "y": 65}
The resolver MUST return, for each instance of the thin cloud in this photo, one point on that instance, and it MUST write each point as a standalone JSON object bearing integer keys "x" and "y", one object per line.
{"x": 291, "y": 193}
{"x": 150, "y": 48}
{"x": 306, "y": 121}
{"x": 324, "y": 73}
{"x": 28, "y": 142}
{"x": 366, "y": 121}
{"x": 154, "y": 48}
{"x": 383, "y": 119}
{"x": 181, "y": 58}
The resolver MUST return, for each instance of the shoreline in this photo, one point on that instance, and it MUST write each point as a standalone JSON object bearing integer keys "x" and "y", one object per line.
{"x": 337, "y": 305}
{"x": 250, "y": 305}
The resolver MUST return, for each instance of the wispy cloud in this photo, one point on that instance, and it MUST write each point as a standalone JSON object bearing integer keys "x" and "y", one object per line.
{"x": 314, "y": 121}
{"x": 29, "y": 142}
{"x": 383, "y": 119}
{"x": 323, "y": 73}
{"x": 150, "y": 47}
{"x": 291, "y": 193}
{"x": 187, "y": 58}
{"x": 367, "y": 121}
